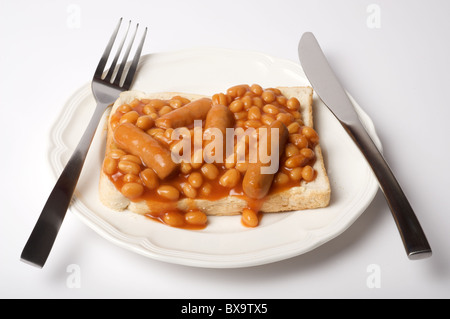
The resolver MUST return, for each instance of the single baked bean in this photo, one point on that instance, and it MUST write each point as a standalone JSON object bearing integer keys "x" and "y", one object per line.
{"x": 196, "y": 217}
{"x": 185, "y": 168}
{"x": 195, "y": 179}
{"x": 236, "y": 106}
{"x": 128, "y": 167}
{"x": 174, "y": 219}
{"x": 183, "y": 100}
{"x": 135, "y": 103}
{"x": 125, "y": 108}
{"x": 296, "y": 161}
{"x": 168, "y": 192}
{"x": 285, "y": 118}
{"x": 249, "y": 217}
{"x": 130, "y": 117}
{"x": 242, "y": 167}
{"x": 148, "y": 109}
{"x": 297, "y": 115}
{"x": 282, "y": 100}
{"x": 174, "y": 104}
{"x": 210, "y": 171}
{"x": 267, "y": 119}
{"x": 164, "y": 110}
{"x": 293, "y": 104}
{"x": 268, "y": 96}
{"x": 257, "y": 101}
{"x": 308, "y": 173}
{"x": 189, "y": 190}
{"x": 240, "y": 123}
{"x": 311, "y": 134}
{"x": 197, "y": 159}
{"x": 256, "y": 89}
{"x": 131, "y": 158}
{"x": 293, "y": 128}
{"x": 281, "y": 179}
{"x": 308, "y": 153}
{"x": 154, "y": 131}
{"x": 230, "y": 179}
{"x": 247, "y": 101}
{"x": 240, "y": 115}
{"x": 229, "y": 165}
{"x": 296, "y": 174}
{"x": 130, "y": 178}
{"x": 271, "y": 109}
{"x": 291, "y": 150}
{"x": 132, "y": 190}
{"x": 206, "y": 189}
{"x": 149, "y": 178}
{"x": 145, "y": 122}
{"x": 298, "y": 140}
{"x": 116, "y": 153}
{"x": 157, "y": 104}
{"x": 254, "y": 113}
{"x": 110, "y": 165}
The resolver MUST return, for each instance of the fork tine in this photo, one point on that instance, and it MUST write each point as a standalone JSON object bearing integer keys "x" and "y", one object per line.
{"x": 109, "y": 75}
{"x": 101, "y": 65}
{"x": 134, "y": 64}
{"x": 125, "y": 58}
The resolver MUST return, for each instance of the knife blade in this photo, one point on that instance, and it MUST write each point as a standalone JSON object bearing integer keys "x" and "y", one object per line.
{"x": 331, "y": 92}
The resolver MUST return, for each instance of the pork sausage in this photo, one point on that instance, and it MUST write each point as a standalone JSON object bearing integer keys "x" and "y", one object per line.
{"x": 219, "y": 117}
{"x": 255, "y": 184}
{"x": 185, "y": 115}
{"x": 136, "y": 142}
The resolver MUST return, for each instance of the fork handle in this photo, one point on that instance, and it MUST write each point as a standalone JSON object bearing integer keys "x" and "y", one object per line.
{"x": 413, "y": 237}
{"x": 42, "y": 238}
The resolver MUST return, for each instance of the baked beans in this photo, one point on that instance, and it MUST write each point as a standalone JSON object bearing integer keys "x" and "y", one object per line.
{"x": 110, "y": 165}
{"x": 128, "y": 167}
{"x": 251, "y": 107}
{"x": 149, "y": 178}
{"x": 210, "y": 171}
{"x": 230, "y": 178}
{"x": 196, "y": 217}
{"x": 168, "y": 192}
{"x": 132, "y": 190}
{"x": 250, "y": 217}
{"x": 173, "y": 218}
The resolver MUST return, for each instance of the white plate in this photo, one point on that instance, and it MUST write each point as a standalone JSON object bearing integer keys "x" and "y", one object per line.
{"x": 225, "y": 243}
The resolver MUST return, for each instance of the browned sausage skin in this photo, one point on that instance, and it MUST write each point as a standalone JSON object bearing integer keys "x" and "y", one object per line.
{"x": 256, "y": 185}
{"x": 185, "y": 115}
{"x": 136, "y": 142}
{"x": 219, "y": 118}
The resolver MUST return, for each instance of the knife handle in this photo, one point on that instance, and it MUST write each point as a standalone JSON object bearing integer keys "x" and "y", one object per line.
{"x": 413, "y": 237}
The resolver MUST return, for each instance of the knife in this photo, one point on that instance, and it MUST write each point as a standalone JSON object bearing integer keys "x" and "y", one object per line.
{"x": 331, "y": 92}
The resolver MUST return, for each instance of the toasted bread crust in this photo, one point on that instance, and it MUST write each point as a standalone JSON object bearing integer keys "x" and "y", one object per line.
{"x": 310, "y": 195}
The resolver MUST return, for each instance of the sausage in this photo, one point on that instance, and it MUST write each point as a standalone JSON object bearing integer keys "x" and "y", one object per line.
{"x": 185, "y": 115}
{"x": 255, "y": 184}
{"x": 219, "y": 117}
{"x": 134, "y": 141}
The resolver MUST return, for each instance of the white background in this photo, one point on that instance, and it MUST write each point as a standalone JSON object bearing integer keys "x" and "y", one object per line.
{"x": 398, "y": 73}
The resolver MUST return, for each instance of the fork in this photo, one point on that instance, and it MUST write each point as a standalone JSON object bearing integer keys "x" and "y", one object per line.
{"x": 106, "y": 89}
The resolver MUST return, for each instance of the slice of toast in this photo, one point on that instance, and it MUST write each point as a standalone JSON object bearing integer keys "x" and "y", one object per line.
{"x": 298, "y": 196}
